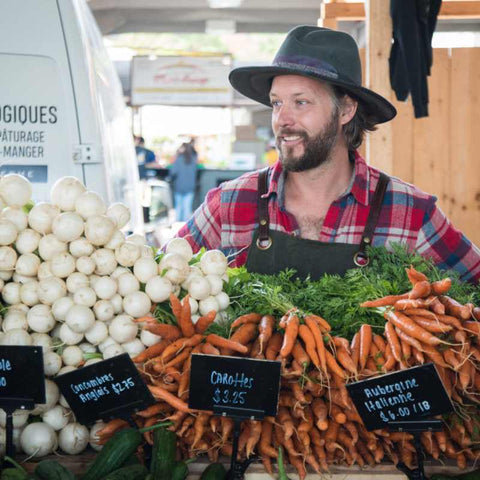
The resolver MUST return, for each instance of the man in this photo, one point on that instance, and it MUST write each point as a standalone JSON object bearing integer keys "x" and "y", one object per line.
{"x": 318, "y": 208}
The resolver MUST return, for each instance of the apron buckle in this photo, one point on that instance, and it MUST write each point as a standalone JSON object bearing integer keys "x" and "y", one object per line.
{"x": 264, "y": 244}
{"x": 360, "y": 259}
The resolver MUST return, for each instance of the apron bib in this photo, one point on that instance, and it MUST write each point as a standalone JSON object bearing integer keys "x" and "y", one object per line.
{"x": 271, "y": 251}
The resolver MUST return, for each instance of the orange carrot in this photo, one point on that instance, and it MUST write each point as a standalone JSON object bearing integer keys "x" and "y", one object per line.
{"x": 409, "y": 303}
{"x": 265, "y": 330}
{"x": 160, "y": 366}
{"x": 273, "y": 346}
{"x": 265, "y": 445}
{"x": 449, "y": 320}
{"x": 167, "y": 332}
{"x": 205, "y": 321}
{"x": 441, "y": 287}
{"x": 340, "y": 342}
{"x": 437, "y": 306}
{"x": 434, "y": 355}
{"x": 379, "y": 341}
{"x": 333, "y": 365}
{"x": 345, "y": 360}
{"x": 422, "y": 312}
{"x": 185, "y": 321}
{"x": 184, "y": 382}
{"x": 317, "y": 336}
{"x": 408, "y": 326}
{"x": 111, "y": 427}
{"x": 432, "y": 326}
{"x": 176, "y": 307}
{"x": 420, "y": 290}
{"x": 413, "y": 342}
{"x": 145, "y": 318}
{"x": 291, "y": 333}
{"x": 456, "y": 309}
{"x": 365, "y": 342}
{"x": 218, "y": 341}
{"x": 247, "y": 318}
{"x": 322, "y": 323}
{"x": 178, "y": 345}
{"x": 337, "y": 414}
{"x": 355, "y": 348}
{"x": 390, "y": 360}
{"x": 209, "y": 349}
{"x": 150, "y": 352}
{"x": 418, "y": 355}
{"x": 305, "y": 334}
{"x": 174, "y": 401}
{"x": 300, "y": 355}
{"x": 414, "y": 276}
{"x": 153, "y": 410}
{"x": 384, "y": 301}
{"x": 320, "y": 411}
{"x": 245, "y": 333}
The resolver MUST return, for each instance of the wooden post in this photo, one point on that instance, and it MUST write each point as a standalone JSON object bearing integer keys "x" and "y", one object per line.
{"x": 325, "y": 20}
{"x": 379, "y": 35}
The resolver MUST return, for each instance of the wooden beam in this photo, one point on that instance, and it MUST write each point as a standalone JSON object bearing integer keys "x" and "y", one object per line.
{"x": 461, "y": 9}
{"x": 379, "y": 34}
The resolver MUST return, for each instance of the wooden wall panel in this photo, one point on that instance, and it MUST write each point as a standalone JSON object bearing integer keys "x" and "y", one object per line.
{"x": 441, "y": 153}
{"x": 464, "y": 178}
{"x": 431, "y": 149}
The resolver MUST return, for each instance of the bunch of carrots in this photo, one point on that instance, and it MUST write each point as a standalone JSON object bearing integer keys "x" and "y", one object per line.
{"x": 317, "y": 424}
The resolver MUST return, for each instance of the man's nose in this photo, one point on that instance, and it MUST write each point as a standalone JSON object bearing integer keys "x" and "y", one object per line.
{"x": 284, "y": 116}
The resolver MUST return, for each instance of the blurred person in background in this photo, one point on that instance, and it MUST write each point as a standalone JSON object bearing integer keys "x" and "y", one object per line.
{"x": 144, "y": 156}
{"x": 183, "y": 173}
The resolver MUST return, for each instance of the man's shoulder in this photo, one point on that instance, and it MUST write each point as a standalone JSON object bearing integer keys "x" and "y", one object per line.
{"x": 401, "y": 190}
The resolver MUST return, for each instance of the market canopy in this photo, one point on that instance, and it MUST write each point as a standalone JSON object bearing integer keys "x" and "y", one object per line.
{"x": 244, "y": 16}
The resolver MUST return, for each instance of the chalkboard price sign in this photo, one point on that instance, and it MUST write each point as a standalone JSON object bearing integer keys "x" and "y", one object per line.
{"x": 21, "y": 373}
{"x": 234, "y": 386}
{"x": 109, "y": 389}
{"x": 409, "y": 394}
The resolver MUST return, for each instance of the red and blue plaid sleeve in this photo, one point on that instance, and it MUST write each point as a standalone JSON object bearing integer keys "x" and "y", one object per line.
{"x": 204, "y": 228}
{"x": 449, "y": 248}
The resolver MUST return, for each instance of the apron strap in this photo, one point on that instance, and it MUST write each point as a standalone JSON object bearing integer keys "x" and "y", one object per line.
{"x": 263, "y": 241}
{"x": 361, "y": 258}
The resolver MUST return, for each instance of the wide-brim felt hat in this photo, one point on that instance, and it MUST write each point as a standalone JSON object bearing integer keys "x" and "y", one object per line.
{"x": 320, "y": 53}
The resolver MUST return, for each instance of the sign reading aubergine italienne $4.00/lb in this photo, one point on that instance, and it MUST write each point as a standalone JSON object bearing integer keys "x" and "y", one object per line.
{"x": 411, "y": 394}
{"x": 109, "y": 389}
{"x": 21, "y": 374}
{"x": 234, "y": 386}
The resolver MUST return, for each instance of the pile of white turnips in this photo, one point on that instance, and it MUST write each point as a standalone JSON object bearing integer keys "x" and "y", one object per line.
{"x": 72, "y": 282}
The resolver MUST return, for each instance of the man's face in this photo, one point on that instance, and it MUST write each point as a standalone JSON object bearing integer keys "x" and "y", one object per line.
{"x": 304, "y": 120}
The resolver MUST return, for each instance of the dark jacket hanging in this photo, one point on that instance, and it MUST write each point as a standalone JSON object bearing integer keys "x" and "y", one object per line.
{"x": 411, "y": 54}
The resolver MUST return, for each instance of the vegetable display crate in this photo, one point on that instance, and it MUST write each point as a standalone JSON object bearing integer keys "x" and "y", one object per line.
{"x": 78, "y": 465}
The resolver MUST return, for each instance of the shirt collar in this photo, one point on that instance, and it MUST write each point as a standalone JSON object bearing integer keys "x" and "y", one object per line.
{"x": 359, "y": 188}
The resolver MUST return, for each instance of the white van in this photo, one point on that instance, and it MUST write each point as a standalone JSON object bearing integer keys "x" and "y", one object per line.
{"x": 61, "y": 105}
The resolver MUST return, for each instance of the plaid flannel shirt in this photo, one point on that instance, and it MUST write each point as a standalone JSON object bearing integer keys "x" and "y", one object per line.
{"x": 228, "y": 218}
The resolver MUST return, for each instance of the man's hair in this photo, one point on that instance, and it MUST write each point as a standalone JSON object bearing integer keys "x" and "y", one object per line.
{"x": 362, "y": 121}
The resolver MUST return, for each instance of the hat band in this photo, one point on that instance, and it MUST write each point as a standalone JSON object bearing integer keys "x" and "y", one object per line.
{"x": 304, "y": 64}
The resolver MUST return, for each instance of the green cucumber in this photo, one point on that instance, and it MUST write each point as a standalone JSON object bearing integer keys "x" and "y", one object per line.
{"x": 51, "y": 470}
{"x": 117, "y": 451}
{"x": 163, "y": 454}
{"x": 214, "y": 471}
{"x": 132, "y": 472}
{"x": 13, "y": 474}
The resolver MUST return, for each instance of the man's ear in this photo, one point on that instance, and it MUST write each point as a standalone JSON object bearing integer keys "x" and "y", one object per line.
{"x": 347, "y": 110}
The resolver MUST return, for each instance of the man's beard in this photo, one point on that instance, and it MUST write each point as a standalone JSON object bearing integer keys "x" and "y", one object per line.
{"x": 317, "y": 149}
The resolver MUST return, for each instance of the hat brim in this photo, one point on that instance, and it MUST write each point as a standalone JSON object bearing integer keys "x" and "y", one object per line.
{"x": 255, "y": 83}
